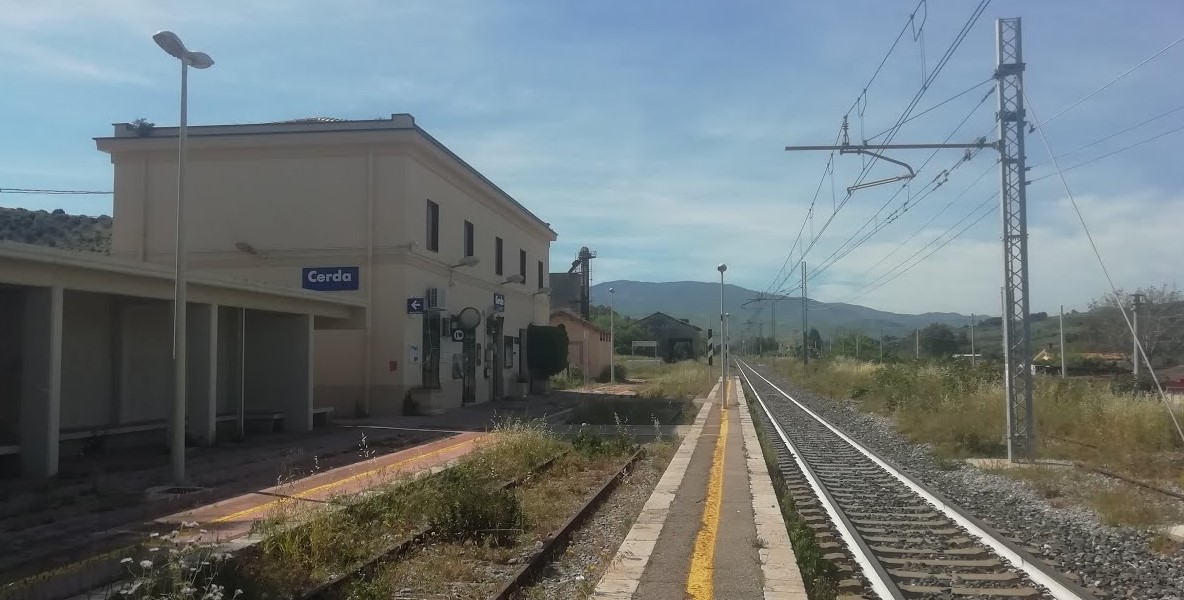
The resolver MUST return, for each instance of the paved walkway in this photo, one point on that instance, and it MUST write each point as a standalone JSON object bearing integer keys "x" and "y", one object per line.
{"x": 712, "y": 528}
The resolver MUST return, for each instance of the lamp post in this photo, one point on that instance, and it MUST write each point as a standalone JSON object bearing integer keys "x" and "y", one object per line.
{"x": 612, "y": 335}
{"x": 170, "y": 43}
{"x": 723, "y": 334}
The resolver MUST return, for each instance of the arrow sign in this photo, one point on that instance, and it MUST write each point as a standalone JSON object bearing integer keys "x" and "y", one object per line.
{"x": 414, "y": 306}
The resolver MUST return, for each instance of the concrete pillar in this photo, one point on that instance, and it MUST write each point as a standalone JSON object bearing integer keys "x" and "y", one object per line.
{"x": 41, "y": 381}
{"x": 201, "y": 409}
{"x": 279, "y": 363}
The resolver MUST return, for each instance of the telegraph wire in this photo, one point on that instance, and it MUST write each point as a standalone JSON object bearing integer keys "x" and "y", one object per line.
{"x": 1117, "y": 133}
{"x": 938, "y": 105}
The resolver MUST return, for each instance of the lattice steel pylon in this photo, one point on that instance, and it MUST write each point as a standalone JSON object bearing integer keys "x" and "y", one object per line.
{"x": 1017, "y": 338}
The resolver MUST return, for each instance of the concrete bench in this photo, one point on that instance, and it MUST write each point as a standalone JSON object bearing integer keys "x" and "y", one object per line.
{"x": 82, "y": 433}
{"x": 322, "y": 416}
{"x": 266, "y": 419}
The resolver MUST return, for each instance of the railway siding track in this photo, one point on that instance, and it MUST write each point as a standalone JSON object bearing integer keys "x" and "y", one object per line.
{"x": 891, "y": 536}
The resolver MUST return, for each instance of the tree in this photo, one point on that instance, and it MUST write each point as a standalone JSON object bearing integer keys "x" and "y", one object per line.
{"x": 546, "y": 349}
{"x": 814, "y": 342}
{"x": 937, "y": 339}
{"x": 1161, "y": 324}
{"x": 856, "y": 345}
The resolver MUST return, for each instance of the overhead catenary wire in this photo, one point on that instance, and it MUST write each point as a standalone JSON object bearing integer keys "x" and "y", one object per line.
{"x": 1142, "y": 354}
{"x": 1109, "y": 83}
{"x": 1111, "y": 153}
{"x": 989, "y": 209}
{"x": 843, "y": 250}
{"x": 55, "y": 192}
{"x": 954, "y": 45}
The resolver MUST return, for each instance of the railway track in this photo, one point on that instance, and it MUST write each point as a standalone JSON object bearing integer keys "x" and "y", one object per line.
{"x": 891, "y": 536}
{"x": 508, "y": 580}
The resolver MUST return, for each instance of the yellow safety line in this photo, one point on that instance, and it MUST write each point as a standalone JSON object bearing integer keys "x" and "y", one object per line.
{"x": 700, "y": 577}
{"x": 338, "y": 483}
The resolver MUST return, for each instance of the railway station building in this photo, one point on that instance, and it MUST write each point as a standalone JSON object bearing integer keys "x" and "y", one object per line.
{"x": 452, "y": 268}
{"x": 336, "y": 267}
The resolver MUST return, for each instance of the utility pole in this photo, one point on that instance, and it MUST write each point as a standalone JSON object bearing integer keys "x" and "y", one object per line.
{"x": 1017, "y": 342}
{"x": 805, "y": 332}
{"x": 857, "y": 336}
{"x": 881, "y": 344}
{"x": 973, "y": 354}
{"x": 1137, "y": 298}
{"x": 917, "y": 345}
{"x": 1062, "y": 341}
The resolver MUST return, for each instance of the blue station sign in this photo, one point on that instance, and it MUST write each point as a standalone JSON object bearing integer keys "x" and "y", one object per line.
{"x": 329, "y": 279}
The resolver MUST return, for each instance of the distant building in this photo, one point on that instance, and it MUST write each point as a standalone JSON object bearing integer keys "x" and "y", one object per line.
{"x": 588, "y": 345}
{"x": 670, "y": 332}
{"x": 566, "y": 290}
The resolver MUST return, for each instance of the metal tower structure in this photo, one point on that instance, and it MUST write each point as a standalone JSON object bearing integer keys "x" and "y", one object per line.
{"x": 1017, "y": 342}
{"x": 1017, "y": 335}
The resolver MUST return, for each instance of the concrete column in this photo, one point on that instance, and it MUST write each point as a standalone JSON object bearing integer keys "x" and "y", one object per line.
{"x": 201, "y": 408}
{"x": 41, "y": 381}
{"x": 279, "y": 363}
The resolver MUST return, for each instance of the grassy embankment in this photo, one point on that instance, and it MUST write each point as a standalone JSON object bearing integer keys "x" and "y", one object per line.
{"x": 958, "y": 409}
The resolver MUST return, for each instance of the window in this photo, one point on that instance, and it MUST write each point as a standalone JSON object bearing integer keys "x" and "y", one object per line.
{"x": 540, "y": 274}
{"x": 433, "y": 233}
{"x": 497, "y": 256}
{"x": 468, "y": 238}
{"x": 522, "y": 264}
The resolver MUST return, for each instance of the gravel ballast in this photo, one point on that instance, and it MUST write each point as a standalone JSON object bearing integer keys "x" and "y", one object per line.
{"x": 592, "y": 547}
{"x": 1113, "y": 562}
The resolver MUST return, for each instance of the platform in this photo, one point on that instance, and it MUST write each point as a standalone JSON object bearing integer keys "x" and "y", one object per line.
{"x": 712, "y": 527}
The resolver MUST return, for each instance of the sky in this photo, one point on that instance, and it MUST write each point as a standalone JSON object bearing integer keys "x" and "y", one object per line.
{"x": 653, "y": 132}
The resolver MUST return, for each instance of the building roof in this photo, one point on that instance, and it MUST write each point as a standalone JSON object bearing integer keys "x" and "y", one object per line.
{"x": 40, "y": 266}
{"x": 572, "y": 315}
{"x": 125, "y": 132}
{"x": 662, "y": 315}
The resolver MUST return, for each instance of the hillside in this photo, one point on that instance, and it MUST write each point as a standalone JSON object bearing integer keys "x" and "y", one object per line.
{"x": 699, "y": 302}
{"x": 57, "y": 229}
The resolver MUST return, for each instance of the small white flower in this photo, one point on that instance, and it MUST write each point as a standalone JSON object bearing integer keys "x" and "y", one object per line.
{"x": 201, "y": 530}
{"x": 145, "y": 564}
{"x": 153, "y": 534}
{"x": 189, "y": 524}
{"x": 125, "y": 561}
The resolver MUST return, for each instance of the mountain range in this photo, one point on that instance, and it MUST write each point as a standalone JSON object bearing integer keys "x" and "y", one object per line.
{"x": 699, "y": 302}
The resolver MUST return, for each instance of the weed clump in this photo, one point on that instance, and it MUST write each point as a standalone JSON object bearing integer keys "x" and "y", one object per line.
{"x": 469, "y": 508}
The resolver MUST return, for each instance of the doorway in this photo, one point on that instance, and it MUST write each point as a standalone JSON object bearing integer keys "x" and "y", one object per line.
{"x": 469, "y": 367}
{"x": 496, "y": 388}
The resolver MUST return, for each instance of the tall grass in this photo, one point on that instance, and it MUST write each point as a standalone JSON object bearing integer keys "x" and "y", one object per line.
{"x": 960, "y": 410}
{"x": 679, "y": 381}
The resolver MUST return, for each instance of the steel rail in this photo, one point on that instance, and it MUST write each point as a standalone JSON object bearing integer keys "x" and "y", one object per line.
{"x": 1037, "y": 571}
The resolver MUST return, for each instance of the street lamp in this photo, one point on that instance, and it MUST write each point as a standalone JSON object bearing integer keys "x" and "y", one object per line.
{"x": 612, "y": 334}
{"x": 723, "y": 347}
{"x": 170, "y": 43}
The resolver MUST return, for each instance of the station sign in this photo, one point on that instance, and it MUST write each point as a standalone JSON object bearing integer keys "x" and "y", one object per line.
{"x": 329, "y": 279}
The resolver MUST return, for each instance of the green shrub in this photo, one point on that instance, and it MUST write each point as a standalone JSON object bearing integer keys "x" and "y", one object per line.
{"x": 622, "y": 374}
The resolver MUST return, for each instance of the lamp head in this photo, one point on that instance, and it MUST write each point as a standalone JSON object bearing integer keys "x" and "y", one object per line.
{"x": 514, "y": 279}
{"x": 468, "y": 261}
{"x": 169, "y": 42}
{"x": 612, "y": 291}
{"x": 172, "y": 44}
{"x": 722, "y": 267}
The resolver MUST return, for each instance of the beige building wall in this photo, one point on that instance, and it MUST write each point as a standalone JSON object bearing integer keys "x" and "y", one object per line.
{"x": 588, "y": 346}
{"x": 266, "y": 201}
